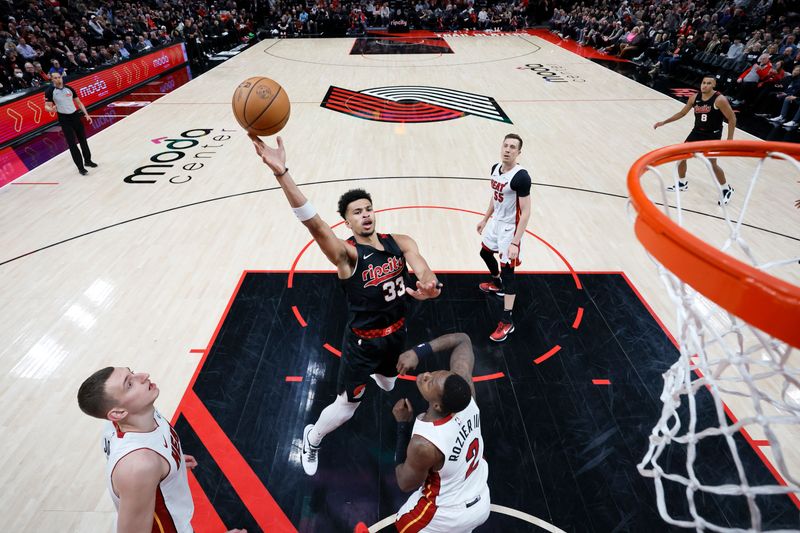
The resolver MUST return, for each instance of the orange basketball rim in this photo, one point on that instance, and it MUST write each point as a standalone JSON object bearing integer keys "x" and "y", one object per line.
{"x": 768, "y": 303}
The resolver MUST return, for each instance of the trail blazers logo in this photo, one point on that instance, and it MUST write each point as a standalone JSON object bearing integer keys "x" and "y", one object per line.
{"x": 412, "y": 103}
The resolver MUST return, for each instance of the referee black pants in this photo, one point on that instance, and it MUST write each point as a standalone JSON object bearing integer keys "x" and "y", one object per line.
{"x": 73, "y": 131}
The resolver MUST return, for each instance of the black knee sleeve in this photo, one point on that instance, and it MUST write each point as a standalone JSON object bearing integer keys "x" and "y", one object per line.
{"x": 509, "y": 280}
{"x": 491, "y": 262}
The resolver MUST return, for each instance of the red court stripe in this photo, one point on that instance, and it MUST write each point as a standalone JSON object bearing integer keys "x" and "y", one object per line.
{"x": 498, "y": 375}
{"x": 298, "y": 316}
{"x": 254, "y": 495}
{"x": 210, "y": 344}
{"x": 578, "y": 318}
{"x": 197, "y": 350}
{"x": 650, "y": 310}
{"x": 297, "y": 259}
{"x": 542, "y": 358}
{"x": 34, "y": 183}
{"x": 331, "y": 349}
{"x": 294, "y": 378}
{"x": 760, "y": 443}
{"x": 205, "y": 518}
{"x": 601, "y": 381}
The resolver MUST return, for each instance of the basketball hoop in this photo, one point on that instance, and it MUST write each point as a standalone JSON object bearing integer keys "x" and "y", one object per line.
{"x": 738, "y": 328}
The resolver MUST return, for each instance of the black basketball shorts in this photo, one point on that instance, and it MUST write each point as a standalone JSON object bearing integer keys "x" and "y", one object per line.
{"x": 362, "y": 357}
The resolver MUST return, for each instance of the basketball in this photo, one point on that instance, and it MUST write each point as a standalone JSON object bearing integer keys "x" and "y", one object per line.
{"x": 261, "y": 106}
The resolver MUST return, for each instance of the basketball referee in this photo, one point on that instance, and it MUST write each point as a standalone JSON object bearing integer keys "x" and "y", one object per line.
{"x": 63, "y": 99}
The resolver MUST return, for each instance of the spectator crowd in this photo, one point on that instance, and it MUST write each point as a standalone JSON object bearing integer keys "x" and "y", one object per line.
{"x": 75, "y": 37}
{"x": 40, "y": 37}
{"x": 749, "y": 46}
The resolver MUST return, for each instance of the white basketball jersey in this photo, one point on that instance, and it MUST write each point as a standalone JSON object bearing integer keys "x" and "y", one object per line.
{"x": 465, "y": 472}
{"x": 174, "y": 507}
{"x": 506, "y": 207}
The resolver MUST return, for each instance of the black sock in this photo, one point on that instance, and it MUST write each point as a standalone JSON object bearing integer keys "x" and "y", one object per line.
{"x": 498, "y": 281}
{"x": 507, "y": 316}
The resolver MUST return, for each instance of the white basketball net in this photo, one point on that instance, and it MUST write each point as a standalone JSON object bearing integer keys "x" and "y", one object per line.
{"x": 756, "y": 375}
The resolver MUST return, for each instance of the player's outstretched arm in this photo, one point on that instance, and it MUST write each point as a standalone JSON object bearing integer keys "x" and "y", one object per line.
{"x": 416, "y": 458}
{"x": 680, "y": 114}
{"x": 428, "y": 285}
{"x": 135, "y": 480}
{"x": 462, "y": 358}
{"x": 334, "y": 248}
{"x": 725, "y": 106}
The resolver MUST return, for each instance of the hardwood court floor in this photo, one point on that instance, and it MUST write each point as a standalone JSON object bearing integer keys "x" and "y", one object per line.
{"x": 96, "y": 270}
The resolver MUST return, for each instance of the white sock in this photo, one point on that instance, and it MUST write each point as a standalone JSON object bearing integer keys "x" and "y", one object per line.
{"x": 333, "y": 416}
{"x": 386, "y": 383}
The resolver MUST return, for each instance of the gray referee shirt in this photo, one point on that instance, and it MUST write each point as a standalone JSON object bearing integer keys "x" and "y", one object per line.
{"x": 62, "y": 98}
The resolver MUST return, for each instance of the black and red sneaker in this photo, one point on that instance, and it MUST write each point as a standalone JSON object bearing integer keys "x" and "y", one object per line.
{"x": 490, "y": 287}
{"x": 504, "y": 329}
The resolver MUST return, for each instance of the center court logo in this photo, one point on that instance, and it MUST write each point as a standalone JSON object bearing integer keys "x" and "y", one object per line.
{"x": 552, "y": 73}
{"x": 412, "y": 103}
{"x": 181, "y": 156}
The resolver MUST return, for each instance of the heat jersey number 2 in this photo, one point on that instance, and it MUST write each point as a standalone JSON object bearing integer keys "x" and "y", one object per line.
{"x": 393, "y": 289}
{"x": 472, "y": 455}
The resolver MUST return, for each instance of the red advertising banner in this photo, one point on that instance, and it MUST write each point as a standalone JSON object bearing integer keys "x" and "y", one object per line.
{"x": 27, "y": 114}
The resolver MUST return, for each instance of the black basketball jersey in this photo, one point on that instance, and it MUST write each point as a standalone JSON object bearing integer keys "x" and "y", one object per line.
{"x": 707, "y": 118}
{"x": 376, "y": 292}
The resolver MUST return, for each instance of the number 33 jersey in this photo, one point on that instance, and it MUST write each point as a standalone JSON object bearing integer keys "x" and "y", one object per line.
{"x": 465, "y": 472}
{"x": 376, "y": 292}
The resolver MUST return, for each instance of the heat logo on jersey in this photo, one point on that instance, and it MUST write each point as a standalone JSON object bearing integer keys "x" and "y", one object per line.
{"x": 176, "y": 446}
{"x": 375, "y": 275}
{"x": 498, "y": 190}
{"x": 412, "y": 103}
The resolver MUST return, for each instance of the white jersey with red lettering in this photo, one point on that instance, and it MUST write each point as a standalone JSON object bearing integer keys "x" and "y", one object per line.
{"x": 461, "y": 484}
{"x": 506, "y": 206}
{"x": 174, "y": 507}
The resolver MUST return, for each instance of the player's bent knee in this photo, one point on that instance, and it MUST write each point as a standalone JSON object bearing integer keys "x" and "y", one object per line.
{"x": 351, "y": 398}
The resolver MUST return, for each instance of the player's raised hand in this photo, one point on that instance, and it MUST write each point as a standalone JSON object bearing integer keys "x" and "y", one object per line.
{"x": 191, "y": 462}
{"x": 408, "y": 360}
{"x": 657, "y": 125}
{"x": 425, "y": 291}
{"x": 402, "y": 410}
{"x": 275, "y": 158}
